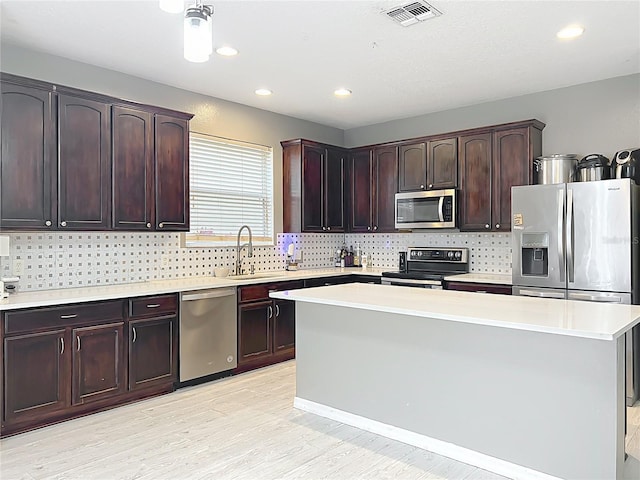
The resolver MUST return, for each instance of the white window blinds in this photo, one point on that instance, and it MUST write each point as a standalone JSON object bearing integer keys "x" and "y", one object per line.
{"x": 231, "y": 184}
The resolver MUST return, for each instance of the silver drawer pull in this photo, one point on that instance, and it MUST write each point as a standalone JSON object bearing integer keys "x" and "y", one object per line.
{"x": 153, "y": 305}
{"x": 73, "y": 315}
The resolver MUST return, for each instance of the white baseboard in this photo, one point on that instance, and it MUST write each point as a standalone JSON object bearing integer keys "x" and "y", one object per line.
{"x": 465, "y": 455}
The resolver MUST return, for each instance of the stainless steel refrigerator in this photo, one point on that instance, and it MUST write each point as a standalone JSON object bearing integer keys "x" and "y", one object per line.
{"x": 579, "y": 241}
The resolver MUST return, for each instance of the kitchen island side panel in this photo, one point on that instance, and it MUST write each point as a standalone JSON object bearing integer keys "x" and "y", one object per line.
{"x": 551, "y": 403}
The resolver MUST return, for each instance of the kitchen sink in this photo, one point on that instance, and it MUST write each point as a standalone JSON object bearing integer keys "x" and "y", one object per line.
{"x": 252, "y": 276}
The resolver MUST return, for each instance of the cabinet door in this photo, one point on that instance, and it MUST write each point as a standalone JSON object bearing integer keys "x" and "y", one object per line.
{"x": 171, "y": 173}
{"x": 360, "y": 195}
{"x": 312, "y": 188}
{"x": 442, "y": 164}
{"x": 475, "y": 182}
{"x": 254, "y": 331}
{"x": 153, "y": 349}
{"x": 36, "y": 375}
{"x": 98, "y": 363}
{"x": 413, "y": 167}
{"x": 511, "y": 166}
{"x": 284, "y": 327}
{"x": 27, "y": 174}
{"x": 133, "y": 178}
{"x": 385, "y": 187}
{"x": 84, "y": 164}
{"x": 334, "y": 190}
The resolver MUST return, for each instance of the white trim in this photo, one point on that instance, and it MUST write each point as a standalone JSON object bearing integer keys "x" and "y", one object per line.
{"x": 450, "y": 450}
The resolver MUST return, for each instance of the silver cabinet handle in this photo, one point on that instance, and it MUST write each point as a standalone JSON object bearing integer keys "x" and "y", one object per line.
{"x": 161, "y": 225}
{"x": 324, "y": 229}
{"x": 153, "y": 305}
{"x": 328, "y": 228}
{"x": 78, "y": 339}
{"x": 148, "y": 225}
{"x": 487, "y": 225}
{"x": 422, "y": 186}
{"x": 368, "y": 228}
{"x": 48, "y": 223}
{"x": 497, "y": 225}
{"x": 63, "y": 224}
{"x": 431, "y": 185}
{"x": 375, "y": 227}
{"x": 135, "y": 335}
{"x": 269, "y": 312}
{"x": 61, "y": 345}
{"x": 63, "y": 317}
{"x": 277, "y": 310}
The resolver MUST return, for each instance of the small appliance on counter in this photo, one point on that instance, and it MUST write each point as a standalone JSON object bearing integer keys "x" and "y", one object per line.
{"x": 592, "y": 167}
{"x": 427, "y": 267}
{"x": 626, "y": 164}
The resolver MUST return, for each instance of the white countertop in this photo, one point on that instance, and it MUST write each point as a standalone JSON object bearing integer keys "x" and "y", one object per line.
{"x": 62, "y": 296}
{"x": 493, "y": 278}
{"x": 562, "y": 317}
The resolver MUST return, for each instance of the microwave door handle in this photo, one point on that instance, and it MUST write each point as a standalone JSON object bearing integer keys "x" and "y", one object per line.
{"x": 562, "y": 261}
{"x": 440, "y": 205}
{"x": 570, "y": 265}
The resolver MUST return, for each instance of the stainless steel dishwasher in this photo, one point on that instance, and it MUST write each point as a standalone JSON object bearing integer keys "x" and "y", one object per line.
{"x": 208, "y": 332}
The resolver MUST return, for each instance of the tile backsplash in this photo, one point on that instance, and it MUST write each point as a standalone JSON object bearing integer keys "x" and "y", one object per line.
{"x": 66, "y": 260}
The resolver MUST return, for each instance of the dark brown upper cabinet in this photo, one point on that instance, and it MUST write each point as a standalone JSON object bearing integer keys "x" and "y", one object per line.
{"x": 428, "y": 165}
{"x": 84, "y": 164}
{"x": 77, "y": 160}
{"x": 27, "y": 158}
{"x": 313, "y": 187}
{"x": 133, "y": 169}
{"x": 373, "y": 180}
{"x": 442, "y": 163}
{"x": 412, "y": 167}
{"x": 490, "y": 164}
{"x": 172, "y": 173}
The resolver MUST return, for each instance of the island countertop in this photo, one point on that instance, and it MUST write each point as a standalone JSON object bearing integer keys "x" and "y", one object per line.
{"x": 560, "y": 317}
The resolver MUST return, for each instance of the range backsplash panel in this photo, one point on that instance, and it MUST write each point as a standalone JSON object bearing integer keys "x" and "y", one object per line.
{"x": 81, "y": 259}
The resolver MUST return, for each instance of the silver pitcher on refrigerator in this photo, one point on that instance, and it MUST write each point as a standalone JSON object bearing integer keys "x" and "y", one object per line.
{"x": 579, "y": 241}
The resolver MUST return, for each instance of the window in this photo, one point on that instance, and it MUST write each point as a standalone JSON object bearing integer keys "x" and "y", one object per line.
{"x": 231, "y": 184}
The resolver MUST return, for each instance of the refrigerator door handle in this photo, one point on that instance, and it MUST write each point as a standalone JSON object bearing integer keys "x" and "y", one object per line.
{"x": 570, "y": 265}
{"x": 596, "y": 298}
{"x": 562, "y": 261}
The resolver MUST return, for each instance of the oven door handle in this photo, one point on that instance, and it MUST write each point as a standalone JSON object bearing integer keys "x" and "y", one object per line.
{"x": 440, "y": 207}
{"x": 409, "y": 281}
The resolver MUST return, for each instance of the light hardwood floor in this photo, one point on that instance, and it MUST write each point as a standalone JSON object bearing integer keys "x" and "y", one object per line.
{"x": 242, "y": 427}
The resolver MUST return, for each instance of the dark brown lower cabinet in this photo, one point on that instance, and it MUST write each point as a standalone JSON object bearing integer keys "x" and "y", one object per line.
{"x": 36, "y": 375}
{"x": 67, "y": 361}
{"x": 152, "y": 352}
{"x": 266, "y": 328}
{"x": 98, "y": 362}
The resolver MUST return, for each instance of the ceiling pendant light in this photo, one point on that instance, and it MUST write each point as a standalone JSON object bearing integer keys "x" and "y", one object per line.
{"x": 198, "y": 33}
{"x": 172, "y": 6}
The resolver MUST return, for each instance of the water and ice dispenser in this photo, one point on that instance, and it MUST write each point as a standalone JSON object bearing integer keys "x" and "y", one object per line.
{"x": 535, "y": 254}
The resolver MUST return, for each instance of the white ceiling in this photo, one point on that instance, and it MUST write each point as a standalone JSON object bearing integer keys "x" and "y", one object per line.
{"x": 477, "y": 51}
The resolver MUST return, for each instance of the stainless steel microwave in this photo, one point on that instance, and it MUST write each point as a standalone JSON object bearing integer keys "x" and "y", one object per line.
{"x": 430, "y": 209}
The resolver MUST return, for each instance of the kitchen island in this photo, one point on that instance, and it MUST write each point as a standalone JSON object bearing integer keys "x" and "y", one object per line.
{"x": 527, "y": 388}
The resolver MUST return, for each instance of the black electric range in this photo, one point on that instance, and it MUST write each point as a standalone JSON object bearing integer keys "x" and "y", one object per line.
{"x": 426, "y": 267}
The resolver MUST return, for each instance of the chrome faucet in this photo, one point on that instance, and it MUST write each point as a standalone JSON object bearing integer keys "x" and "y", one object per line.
{"x": 239, "y": 248}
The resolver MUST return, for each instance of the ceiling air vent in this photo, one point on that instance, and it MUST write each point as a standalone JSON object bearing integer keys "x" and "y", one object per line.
{"x": 411, "y": 13}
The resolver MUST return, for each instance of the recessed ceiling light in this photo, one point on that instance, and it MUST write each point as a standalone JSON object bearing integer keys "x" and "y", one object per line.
{"x": 342, "y": 92}
{"x": 572, "y": 31}
{"x": 227, "y": 51}
{"x": 172, "y": 6}
{"x": 263, "y": 91}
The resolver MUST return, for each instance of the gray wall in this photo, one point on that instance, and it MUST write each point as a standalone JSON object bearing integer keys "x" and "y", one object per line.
{"x": 598, "y": 117}
{"x": 212, "y": 115}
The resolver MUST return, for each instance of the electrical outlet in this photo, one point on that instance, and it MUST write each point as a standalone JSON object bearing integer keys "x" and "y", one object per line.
{"x": 18, "y": 267}
{"x": 299, "y": 256}
{"x": 164, "y": 260}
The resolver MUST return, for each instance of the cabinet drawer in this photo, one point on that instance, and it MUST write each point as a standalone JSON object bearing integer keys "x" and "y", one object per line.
{"x": 153, "y": 306}
{"x": 252, "y": 293}
{"x": 68, "y": 315}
